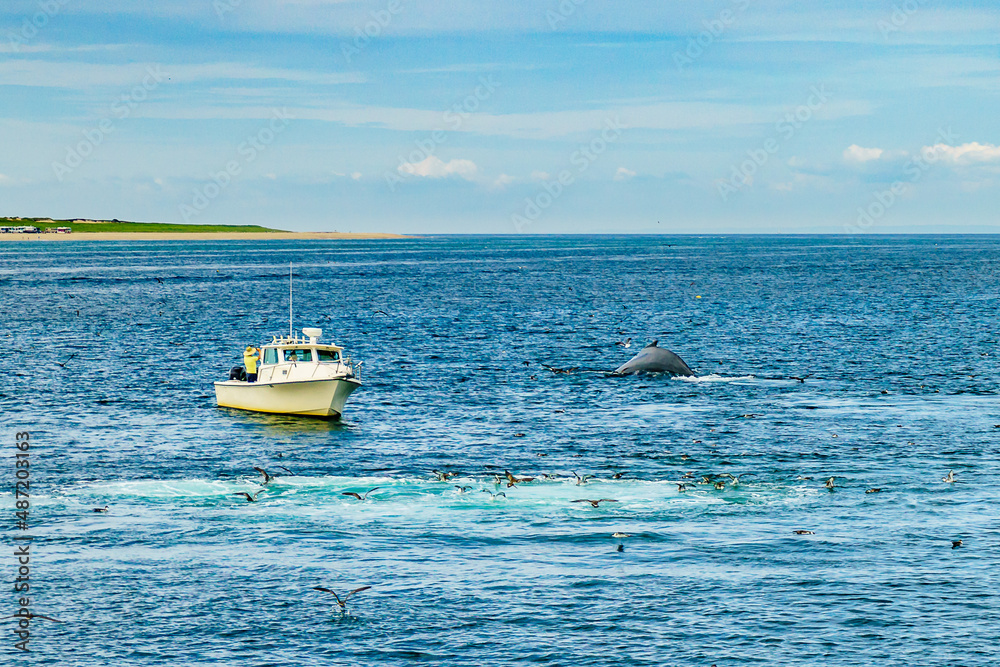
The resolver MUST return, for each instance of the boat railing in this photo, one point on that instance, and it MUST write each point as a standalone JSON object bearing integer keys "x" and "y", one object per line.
{"x": 355, "y": 367}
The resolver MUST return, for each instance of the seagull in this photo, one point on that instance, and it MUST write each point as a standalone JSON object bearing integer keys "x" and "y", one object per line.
{"x": 342, "y": 603}
{"x": 101, "y": 509}
{"x": 358, "y": 496}
{"x": 719, "y": 486}
{"x": 618, "y": 475}
{"x": 950, "y": 477}
{"x": 511, "y": 480}
{"x": 735, "y": 478}
{"x": 380, "y": 311}
{"x": 956, "y": 544}
{"x": 284, "y": 468}
{"x": 829, "y": 484}
{"x": 493, "y": 496}
{"x": 595, "y": 503}
{"x": 803, "y": 532}
{"x": 443, "y": 476}
{"x": 682, "y": 486}
{"x": 250, "y": 499}
{"x": 627, "y": 343}
{"x": 581, "y": 480}
{"x": 159, "y": 281}
{"x": 875, "y": 490}
{"x": 31, "y": 616}
{"x": 620, "y": 535}
{"x": 267, "y": 478}
{"x": 462, "y": 489}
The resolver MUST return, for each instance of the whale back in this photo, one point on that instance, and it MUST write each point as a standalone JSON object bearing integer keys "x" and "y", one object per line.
{"x": 654, "y": 359}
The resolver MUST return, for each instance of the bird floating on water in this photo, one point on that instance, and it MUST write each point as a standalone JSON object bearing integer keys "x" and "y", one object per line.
{"x": 803, "y": 532}
{"x": 493, "y": 496}
{"x": 950, "y": 477}
{"x": 956, "y": 544}
{"x": 829, "y": 484}
{"x": 101, "y": 509}
{"x": 359, "y": 496}
{"x": 342, "y": 603}
{"x": 875, "y": 490}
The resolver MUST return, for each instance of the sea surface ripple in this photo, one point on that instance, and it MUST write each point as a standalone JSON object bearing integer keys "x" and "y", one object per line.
{"x": 872, "y": 360}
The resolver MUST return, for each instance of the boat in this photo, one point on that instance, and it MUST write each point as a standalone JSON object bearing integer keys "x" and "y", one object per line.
{"x": 295, "y": 376}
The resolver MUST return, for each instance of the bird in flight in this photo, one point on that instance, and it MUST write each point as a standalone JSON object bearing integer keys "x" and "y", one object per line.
{"x": 342, "y": 603}
{"x": 493, "y": 496}
{"x": 267, "y": 478}
{"x": 359, "y": 496}
{"x": 595, "y": 503}
{"x": 443, "y": 476}
{"x": 511, "y": 480}
{"x": 829, "y": 484}
{"x": 250, "y": 499}
{"x": 34, "y": 616}
{"x": 627, "y": 343}
{"x": 581, "y": 480}
{"x": 950, "y": 477}
{"x": 683, "y": 486}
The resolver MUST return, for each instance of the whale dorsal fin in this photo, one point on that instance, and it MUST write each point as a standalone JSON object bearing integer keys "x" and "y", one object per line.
{"x": 653, "y": 344}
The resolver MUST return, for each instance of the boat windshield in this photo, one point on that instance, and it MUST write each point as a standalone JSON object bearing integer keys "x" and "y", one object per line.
{"x": 298, "y": 355}
{"x": 270, "y": 355}
{"x": 328, "y": 355}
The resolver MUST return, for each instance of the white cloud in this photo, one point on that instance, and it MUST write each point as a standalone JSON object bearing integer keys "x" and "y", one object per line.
{"x": 435, "y": 167}
{"x": 623, "y": 174}
{"x": 540, "y": 176}
{"x": 503, "y": 180}
{"x": 356, "y": 176}
{"x": 855, "y": 153}
{"x": 966, "y": 154}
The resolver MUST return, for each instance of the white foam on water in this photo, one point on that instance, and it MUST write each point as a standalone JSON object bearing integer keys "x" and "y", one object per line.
{"x": 713, "y": 377}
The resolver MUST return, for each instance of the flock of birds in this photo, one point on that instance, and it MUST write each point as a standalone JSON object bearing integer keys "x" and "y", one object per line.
{"x": 511, "y": 481}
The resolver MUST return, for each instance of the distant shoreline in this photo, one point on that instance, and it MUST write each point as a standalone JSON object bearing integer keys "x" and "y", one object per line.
{"x": 201, "y": 236}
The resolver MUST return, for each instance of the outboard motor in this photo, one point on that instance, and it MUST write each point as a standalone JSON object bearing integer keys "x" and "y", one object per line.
{"x": 238, "y": 373}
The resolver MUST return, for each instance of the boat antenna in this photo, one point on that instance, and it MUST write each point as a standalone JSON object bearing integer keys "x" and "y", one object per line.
{"x": 289, "y": 299}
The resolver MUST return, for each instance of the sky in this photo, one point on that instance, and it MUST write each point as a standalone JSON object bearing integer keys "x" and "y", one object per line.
{"x": 505, "y": 117}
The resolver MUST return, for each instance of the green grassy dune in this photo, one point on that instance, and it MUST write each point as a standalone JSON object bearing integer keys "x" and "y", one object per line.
{"x": 121, "y": 226}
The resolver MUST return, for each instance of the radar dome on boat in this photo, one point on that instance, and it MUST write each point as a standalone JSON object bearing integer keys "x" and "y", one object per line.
{"x": 313, "y": 333}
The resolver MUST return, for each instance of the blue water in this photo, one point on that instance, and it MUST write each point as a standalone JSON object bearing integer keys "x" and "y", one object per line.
{"x": 109, "y": 354}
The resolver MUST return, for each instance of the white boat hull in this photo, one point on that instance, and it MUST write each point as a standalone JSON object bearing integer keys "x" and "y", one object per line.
{"x": 311, "y": 398}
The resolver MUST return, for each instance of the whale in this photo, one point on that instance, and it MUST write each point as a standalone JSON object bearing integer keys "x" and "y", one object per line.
{"x": 653, "y": 359}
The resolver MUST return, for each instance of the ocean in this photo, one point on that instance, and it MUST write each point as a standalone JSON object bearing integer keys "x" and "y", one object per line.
{"x": 872, "y": 360}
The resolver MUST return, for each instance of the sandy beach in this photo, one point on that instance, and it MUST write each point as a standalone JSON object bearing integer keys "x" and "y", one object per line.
{"x": 220, "y": 236}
